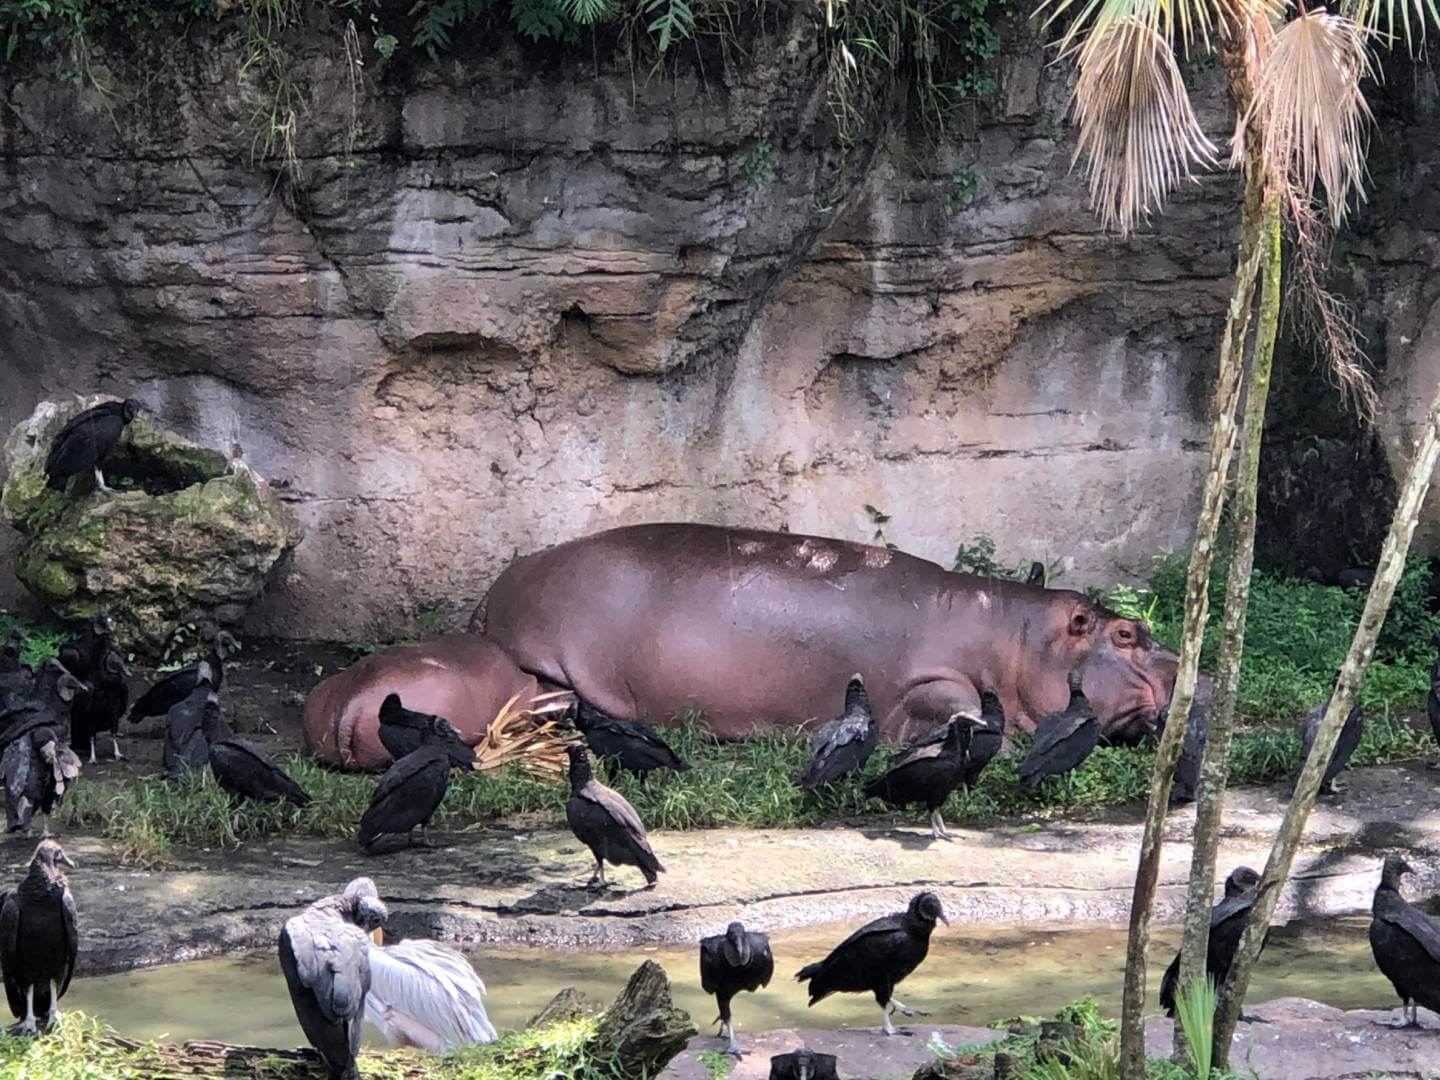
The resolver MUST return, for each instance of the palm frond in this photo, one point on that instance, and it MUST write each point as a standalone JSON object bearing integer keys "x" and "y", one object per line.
{"x": 1186, "y": 22}
{"x": 1138, "y": 133}
{"x": 1378, "y": 17}
{"x": 1313, "y": 118}
{"x": 527, "y": 734}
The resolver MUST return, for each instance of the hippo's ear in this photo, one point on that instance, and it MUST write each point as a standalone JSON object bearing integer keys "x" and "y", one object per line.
{"x": 1082, "y": 621}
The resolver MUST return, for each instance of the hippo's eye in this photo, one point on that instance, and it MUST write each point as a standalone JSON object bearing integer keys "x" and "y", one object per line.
{"x": 1125, "y": 635}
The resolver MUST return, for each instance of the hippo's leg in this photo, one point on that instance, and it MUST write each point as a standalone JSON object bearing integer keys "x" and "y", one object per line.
{"x": 928, "y": 704}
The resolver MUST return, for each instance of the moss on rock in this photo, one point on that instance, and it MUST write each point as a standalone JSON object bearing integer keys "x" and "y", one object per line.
{"x": 187, "y": 537}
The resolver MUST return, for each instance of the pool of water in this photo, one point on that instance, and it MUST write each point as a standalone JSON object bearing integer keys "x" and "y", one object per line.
{"x": 971, "y": 977}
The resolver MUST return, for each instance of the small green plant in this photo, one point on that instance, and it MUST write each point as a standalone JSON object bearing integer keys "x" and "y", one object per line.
{"x": 879, "y": 519}
{"x": 757, "y": 166}
{"x": 964, "y": 185}
{"x": 1132, "y": 603}
{"x": 717, "y": 1064}
{"x": 1195, "y": 1009}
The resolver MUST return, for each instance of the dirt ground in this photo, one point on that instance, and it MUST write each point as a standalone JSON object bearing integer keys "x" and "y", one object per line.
{"x": 265, "y": 688}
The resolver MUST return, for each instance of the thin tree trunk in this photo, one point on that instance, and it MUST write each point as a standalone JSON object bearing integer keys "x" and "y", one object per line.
{"x": 1210, "y": 795}
{"x": 1362, "y": 648}
{"x": 1197, "y": 584}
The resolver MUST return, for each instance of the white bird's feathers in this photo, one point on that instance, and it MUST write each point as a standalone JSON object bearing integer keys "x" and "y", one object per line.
{"x": 426, "y": 995}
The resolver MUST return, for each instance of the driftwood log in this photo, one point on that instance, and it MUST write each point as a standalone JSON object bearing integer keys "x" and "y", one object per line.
{"x": 639, "y": 1033}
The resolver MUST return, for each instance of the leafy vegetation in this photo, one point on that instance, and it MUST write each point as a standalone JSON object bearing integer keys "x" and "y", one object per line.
{"x": 1088, "y": 1049}
{"x": 79, "y": 1048}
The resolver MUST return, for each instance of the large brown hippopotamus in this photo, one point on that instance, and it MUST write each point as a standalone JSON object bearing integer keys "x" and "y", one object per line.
{"x": 465, "y": 678}
{"x": 761, "y": 630}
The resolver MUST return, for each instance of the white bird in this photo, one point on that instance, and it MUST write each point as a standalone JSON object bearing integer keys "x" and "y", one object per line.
{"x": 426, "y": 995}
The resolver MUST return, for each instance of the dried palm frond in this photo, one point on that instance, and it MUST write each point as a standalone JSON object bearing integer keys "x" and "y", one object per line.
{"x": 1323, "y": 317}
{"x": 528, "y": 734}
{"x": 1185, "y": 22}
{"x": 1138, "y": 133}
{"x": 1378, "y": 17}
{"x": 1308, "y": 104}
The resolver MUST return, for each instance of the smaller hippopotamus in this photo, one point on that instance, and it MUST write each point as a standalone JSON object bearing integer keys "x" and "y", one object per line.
{"x": 466, "y": 678}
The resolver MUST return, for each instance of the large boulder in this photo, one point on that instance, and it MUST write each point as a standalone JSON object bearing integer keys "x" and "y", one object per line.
{"x": 188, "y": 536}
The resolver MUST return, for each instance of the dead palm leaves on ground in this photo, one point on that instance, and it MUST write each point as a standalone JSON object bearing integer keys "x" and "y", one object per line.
{"x": 528, "y": 735}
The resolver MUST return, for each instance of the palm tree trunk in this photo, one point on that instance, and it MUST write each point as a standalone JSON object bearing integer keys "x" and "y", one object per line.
{"x": 1197, "y": 584}
{"x": 1214, "y": 766}
{"x": 1362, "y": 648}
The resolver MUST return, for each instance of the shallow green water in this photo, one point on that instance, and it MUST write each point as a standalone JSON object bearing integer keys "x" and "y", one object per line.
{"x": 970, "y": 977}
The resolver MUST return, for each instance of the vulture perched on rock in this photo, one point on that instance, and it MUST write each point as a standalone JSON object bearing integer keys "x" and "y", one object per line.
{"x": 407, "y": 796}
{"x": 1406, "y": 944}
{"x": 83, "y": 444}
{"x": 927, "y": 772}
{"x": 1227, "y": 924}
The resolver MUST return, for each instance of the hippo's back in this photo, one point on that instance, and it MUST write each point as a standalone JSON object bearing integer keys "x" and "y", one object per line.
{"x": 757, "y": 629}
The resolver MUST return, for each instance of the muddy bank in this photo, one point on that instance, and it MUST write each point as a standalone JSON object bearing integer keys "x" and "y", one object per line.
{"x": 508, "y": 886}
{"x": 1287, "y": 1039}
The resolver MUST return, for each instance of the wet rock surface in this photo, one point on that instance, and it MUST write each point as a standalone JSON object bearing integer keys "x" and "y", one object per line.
{"x": 1286, "y": 1039}
{"x": 514, "y": 886}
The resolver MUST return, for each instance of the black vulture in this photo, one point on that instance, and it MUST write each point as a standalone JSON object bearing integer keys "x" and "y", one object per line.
{"x": 325, "y": 956}
{"x": 39, "y": 939}
{"x": 422, "y": 993}
{"x": 985, "y": 740}
{"x": 604, "y": 822}
{"x": 186, "y": 746}
{"x": 1432, "y": 701}
{"x": 1227, "y": 924}
{"x": 1406, "y": 944}
{"x": 179, "y": 685}
{"x": 408, "y": 795}
{"x": 84, "y": 442}
{"x": 403, "y": 731}
{"x": 81, "y": 654}
{"x": 803, "y": 1064}
{"x": 46, "y": 703}
{"x": 735, "y": 961}
{"x": 840, "y": 747}
{"x": 36, "y": 768}
{"x": 1192, "y": 748}
{"x": 927, "y": 773}
{"x": 1036, "y": 575}
{"x": 243, "y": 769}
{"x": 1350, "y": 733}
{"x": 632, "y": 746}
{"x": 15, "y": 678}
{"x": 100, "y": 708}
{"x": 1063, "y": 739}
{"x": 10, "y": 663}
{"x": 877, "y": 957}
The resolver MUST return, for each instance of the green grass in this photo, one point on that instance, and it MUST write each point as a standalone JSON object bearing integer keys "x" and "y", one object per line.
{"x": 82, "y": 1049}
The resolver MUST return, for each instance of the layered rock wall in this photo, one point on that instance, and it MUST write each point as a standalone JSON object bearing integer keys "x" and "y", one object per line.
{"x": 504, "y": 306}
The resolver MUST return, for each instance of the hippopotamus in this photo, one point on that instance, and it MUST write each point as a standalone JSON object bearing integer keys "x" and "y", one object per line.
{"x": 466, "y": 678}
{"x": 762, "y": 631}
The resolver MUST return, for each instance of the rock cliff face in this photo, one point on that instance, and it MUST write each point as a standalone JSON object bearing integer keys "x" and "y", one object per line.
{"x": 504, "y": 306}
